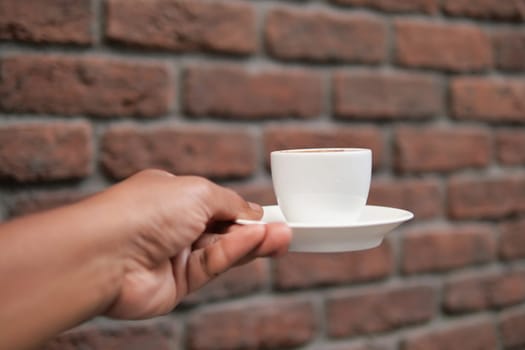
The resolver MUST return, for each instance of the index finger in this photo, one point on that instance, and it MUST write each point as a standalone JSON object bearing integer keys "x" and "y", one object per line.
{"x": 225, "y": 204}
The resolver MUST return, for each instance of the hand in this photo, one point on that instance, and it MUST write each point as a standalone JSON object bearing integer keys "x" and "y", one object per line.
{"x": 181, "y": 236}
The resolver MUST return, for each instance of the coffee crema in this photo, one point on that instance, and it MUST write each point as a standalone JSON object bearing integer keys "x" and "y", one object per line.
{"x": 317, "y": 150}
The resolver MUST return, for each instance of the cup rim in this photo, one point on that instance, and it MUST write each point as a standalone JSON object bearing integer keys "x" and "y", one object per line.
{"x": 325, "y": 150}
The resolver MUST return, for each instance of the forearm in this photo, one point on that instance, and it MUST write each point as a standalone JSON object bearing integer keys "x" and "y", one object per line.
{"x": 129, "y": 252}
{"x": 57, "y": 269}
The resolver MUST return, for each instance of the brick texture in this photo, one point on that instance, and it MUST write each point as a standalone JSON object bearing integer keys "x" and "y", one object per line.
{"x": 446, "y": 248}
{"x": 518, "y": 197}
{"x": 84, "y": 85}
{"x": 486, "y": 9}
{"x": 490, "y": 198}
{"x": 511, "y": 328}
{"x": 93, "y": 91}
{"x": 160, "y": 334}
{"x": 480, "y": 335}
{"x": 484, "y": 291}
{"x": 373, "y": 311}
{"x": 127, "y": 149}
{"x": 372, "y": 95}
{"x": 233, "y": 92}
{"x": 441, "y": 149}
{"x": 451, "y": 47}
{"x": 509, "y": 49}
{"x": 359, "y": 346}
{"x": 299, "y": 270}
{"x": 488, "y": 99}
{"x": 180, "y": 25}
{"x": 45, "y": 152}
{"x": 46, "y": 21}
{"x": 324, "y": 36}
{"x": 297, "y": 136}
{"x": 512, "y": 239}
{"x": 28, "y": 203}
{"x": 236, "y": 282}
{"x": 425, "y": 6}
{"x": 259, "y": 325}
{"x": 509, "y": 146}
{"x": 422, "y": 197}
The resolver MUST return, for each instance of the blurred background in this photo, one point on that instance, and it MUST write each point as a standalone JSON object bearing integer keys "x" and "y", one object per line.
{"x": 92, "y": 91}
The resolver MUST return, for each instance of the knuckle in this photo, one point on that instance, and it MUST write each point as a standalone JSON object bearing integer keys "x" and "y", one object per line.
{"x": 153, "y": 173}
{"x": 206, "y": 267}
{"x": 201, "y": 186}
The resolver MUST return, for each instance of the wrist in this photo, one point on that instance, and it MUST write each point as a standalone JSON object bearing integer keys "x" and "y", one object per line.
{"x": 104, "y": 241}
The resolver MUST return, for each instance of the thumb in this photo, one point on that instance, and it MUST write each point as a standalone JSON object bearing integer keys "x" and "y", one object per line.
{"x": 206, "y": 263}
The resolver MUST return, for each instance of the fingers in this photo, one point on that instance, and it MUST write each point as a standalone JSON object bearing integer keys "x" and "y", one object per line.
{"x": 276, "y": 241}
{"x": 226, "y": 205}
{"x": 206, "y": 263}
{"x": 206, "y": 239}
{"x": 275, "y": 244}
{"x": 254, "y": 213}
{"x": 242, "y": 244}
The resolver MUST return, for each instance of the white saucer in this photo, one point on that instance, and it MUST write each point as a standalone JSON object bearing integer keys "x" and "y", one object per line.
{"x": 366, "y": 232}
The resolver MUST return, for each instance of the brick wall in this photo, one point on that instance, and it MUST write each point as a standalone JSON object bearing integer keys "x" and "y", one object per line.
{"x": 91, "y": 91}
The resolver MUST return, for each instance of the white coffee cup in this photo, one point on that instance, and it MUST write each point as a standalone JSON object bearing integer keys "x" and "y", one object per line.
{"x": 326, "y": 186}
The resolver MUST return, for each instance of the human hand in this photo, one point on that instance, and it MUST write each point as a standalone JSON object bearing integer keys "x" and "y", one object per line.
{"x": 179, "y": 236}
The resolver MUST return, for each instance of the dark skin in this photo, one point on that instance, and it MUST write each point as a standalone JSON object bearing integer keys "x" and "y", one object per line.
{"x": 133, "y": 251}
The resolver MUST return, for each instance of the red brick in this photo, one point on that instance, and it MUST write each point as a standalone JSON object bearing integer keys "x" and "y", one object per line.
{"x": 46, "y": 21}
{"x": 264, "y": 324}
{"x": 510, "y": 145}
{"x": 260, "y": 193}
{"x": 279, "y": 137}
{"x": 233, "y": 92}
{"x": 512, "y": 239}
{"x": 511, "y": 326}
{"x": 33, "y": 202}
{"x": 84, "y": 85}
{"x": 446, "y": 248}
{"x": 183, "y": 150}
{"x": 518, "y": 195}
{"x": 479, "y": 335}
{"x": 450, "y": 47}
{"x": 421, "y": 149}
{"x": 325, "y": 36}
{"x": 379, "y": 311}
{"x": 45, "y": 151}
{"x": 423, "y": 197}
{"x": 179, "y": 25}
{"x": 425, "y": 6}
{"x": 159, "y": 334}
{"x": 236, "y": 282}
{"x": 358, "y": 346}
{"x": 509, "y": 49}
{"x": 298, "y": 270}
{"x": 489, "y": 9}
{"x": 376, "y": 95}
{"x": 485, "y": 198}
{"x": 488, "y": 99}
{"x": 484, "y": 291}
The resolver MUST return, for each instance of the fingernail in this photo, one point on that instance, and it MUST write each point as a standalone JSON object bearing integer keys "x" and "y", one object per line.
{"x": 257, "y": 228}
{"x": 282, "y": 227}
{"x": 254, "y": 206}
{"x": 251, "y": 212}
